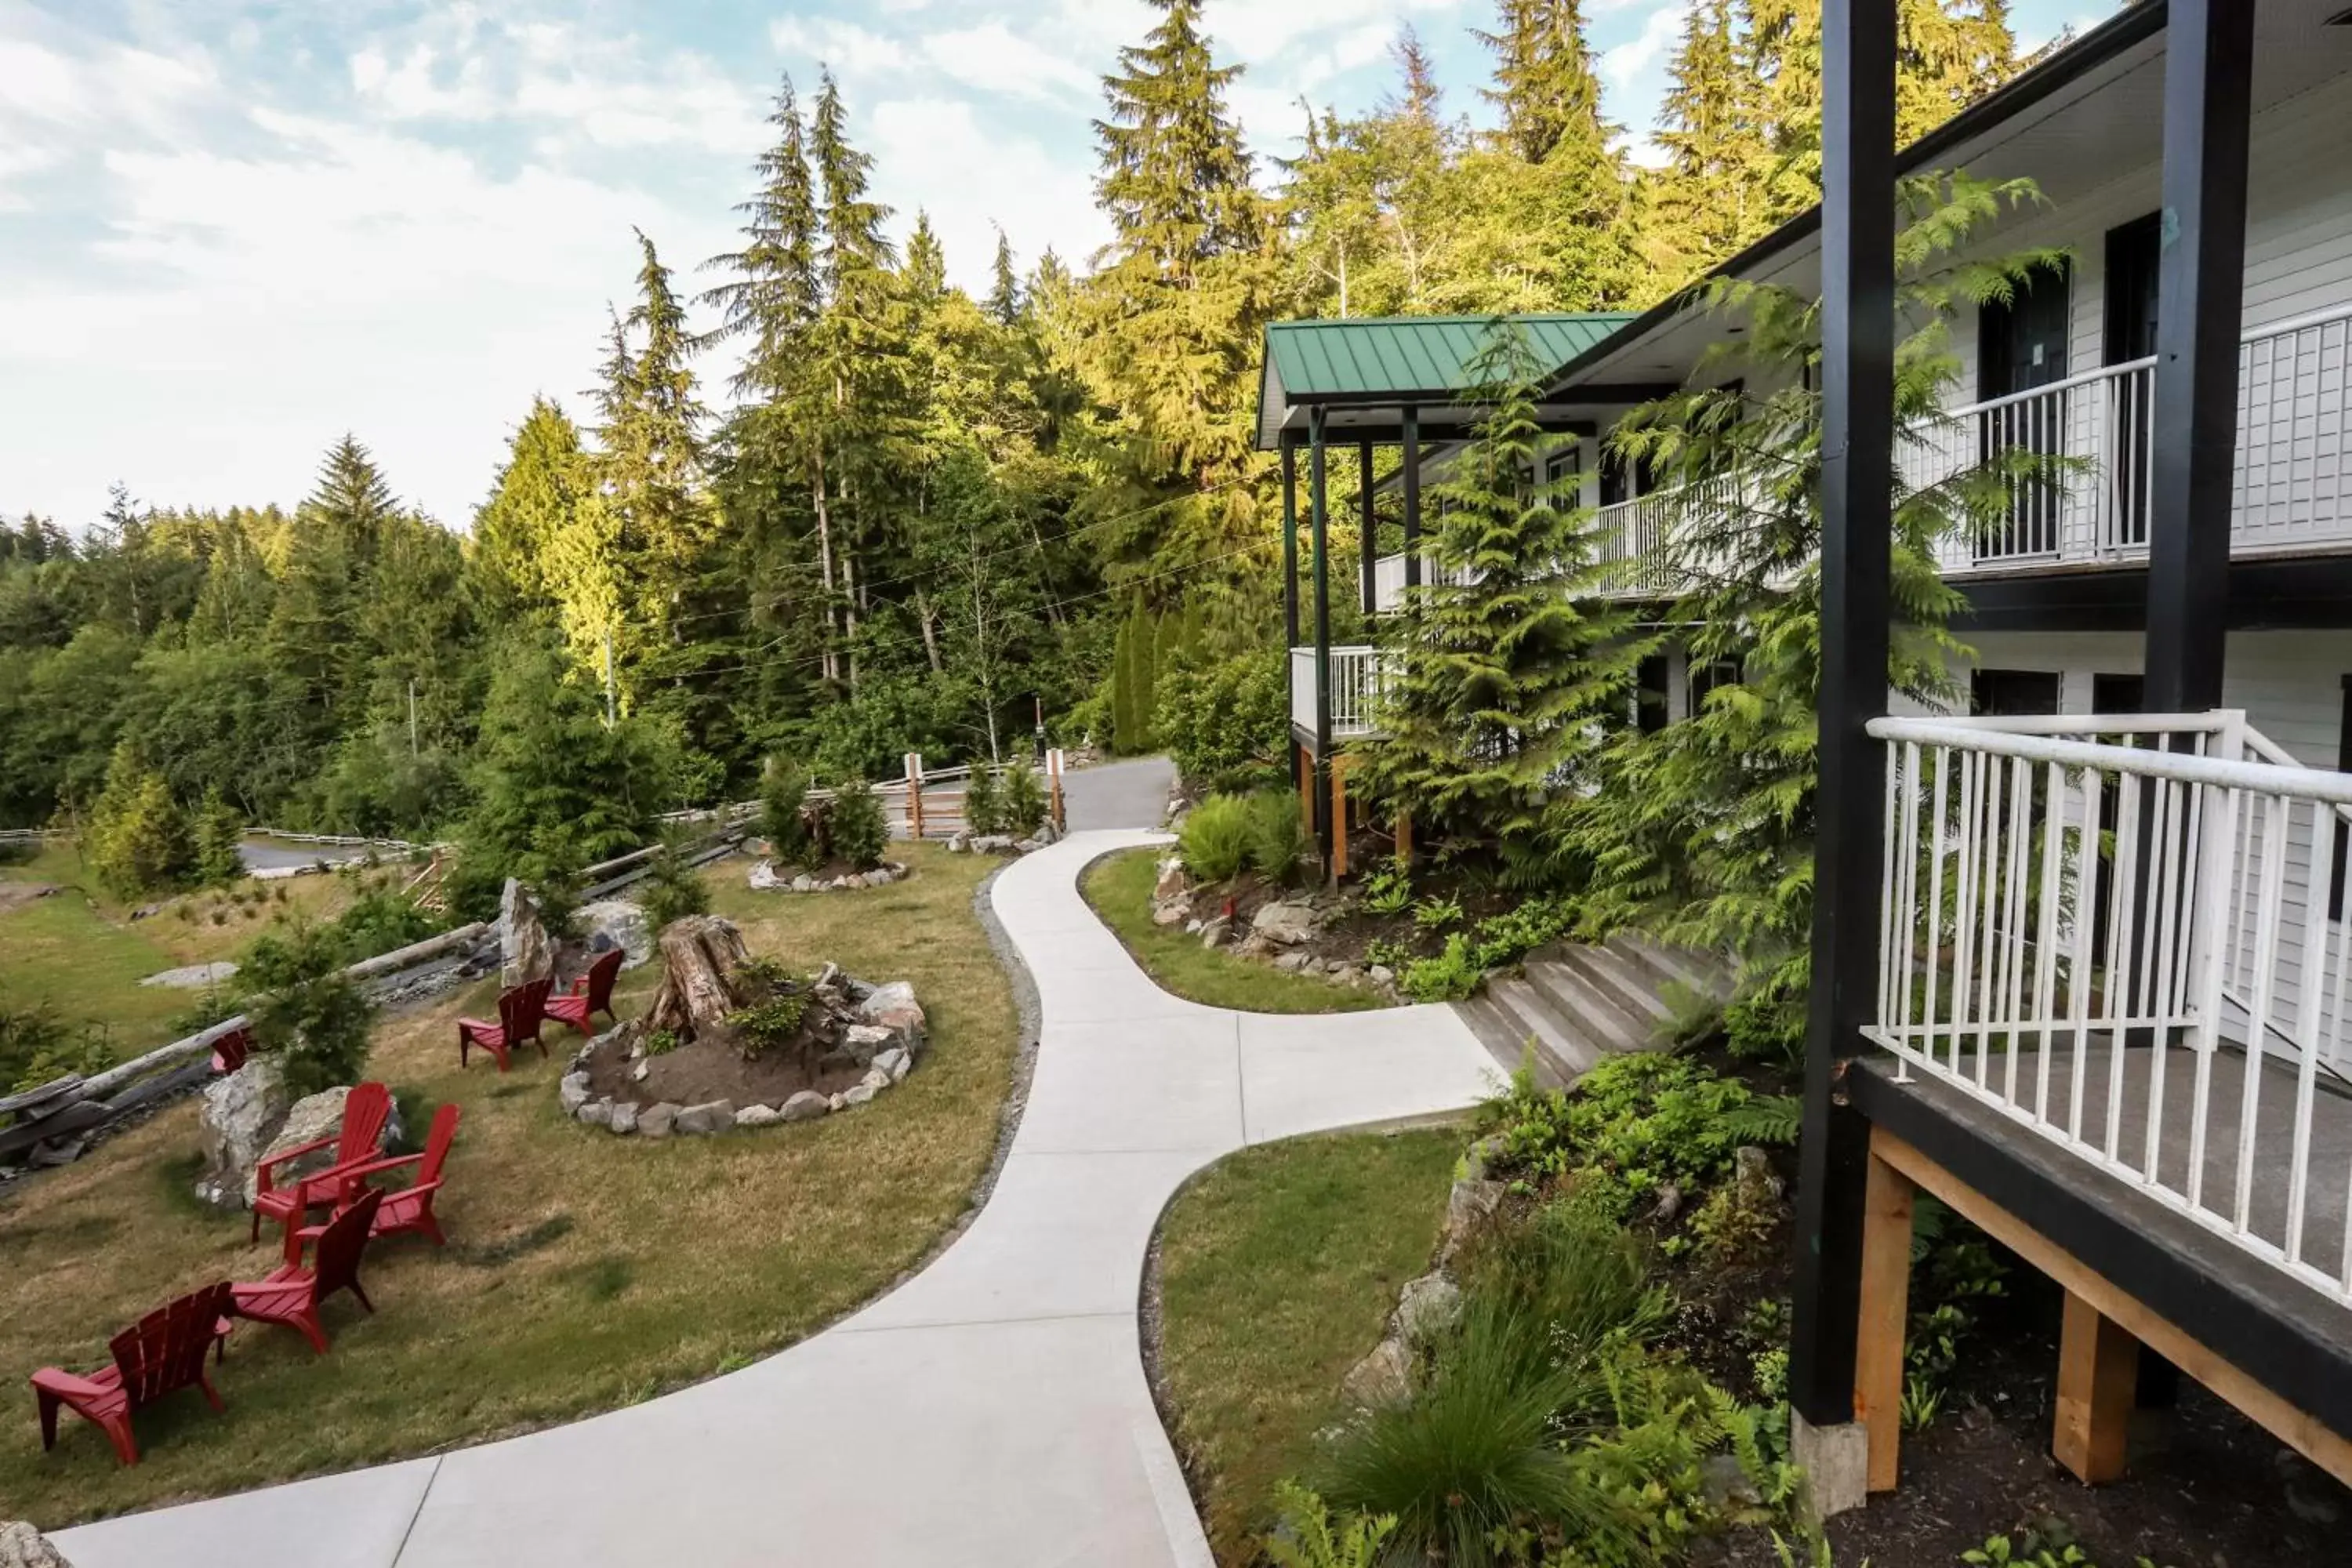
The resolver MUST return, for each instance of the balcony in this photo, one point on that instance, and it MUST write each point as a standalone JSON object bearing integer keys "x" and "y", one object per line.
{"x": 1388, "y": 580}
{"x": 2292, "y": 490}
{"x": 2120, "y": 934}
{"x": 1355, "y": 691}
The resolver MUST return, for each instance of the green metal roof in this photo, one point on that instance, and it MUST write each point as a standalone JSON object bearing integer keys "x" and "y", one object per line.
{"x": 1402, "y": 359}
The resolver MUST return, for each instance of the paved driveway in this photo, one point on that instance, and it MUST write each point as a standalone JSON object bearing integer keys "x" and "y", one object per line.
{"x": 1130, "y": 793}
{"x": 991, "y": 1412}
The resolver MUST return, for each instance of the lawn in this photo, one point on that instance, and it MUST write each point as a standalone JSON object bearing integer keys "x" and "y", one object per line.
{"x": 584, "y": 1271}
{"x": 1119, "y": 886}
{"x": 1277, "y": 1268}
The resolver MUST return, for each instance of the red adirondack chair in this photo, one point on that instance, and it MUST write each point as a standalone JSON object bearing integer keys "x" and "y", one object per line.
{"x": 292, "y": 1294}
{"x": 161, "y": 1353}
{"x": 231, "y": 1049}
{"x": 410, "y": 1208}
{"x": 520, "y": 1010}
{"x": 365, "y": 1111}
{"x": 590, "y": 994}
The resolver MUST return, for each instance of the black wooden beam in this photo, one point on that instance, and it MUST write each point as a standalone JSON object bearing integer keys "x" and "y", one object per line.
{"x": 1857, "y": 480}
{"x": 1290, "y": 548}
{"x": 1412, "y": 481}
{"x": 1318, "y": 513}
{"x": 2200, "y": 281}
{"x": 1369, "y": 514}
{"x": 2284, "y": 593}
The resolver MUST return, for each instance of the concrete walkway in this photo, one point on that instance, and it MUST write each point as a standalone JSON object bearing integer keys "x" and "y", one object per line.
{"x": 992, "y": 1413}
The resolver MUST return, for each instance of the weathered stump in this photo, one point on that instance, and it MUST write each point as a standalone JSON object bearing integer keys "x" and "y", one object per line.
{"x": 526, "y": 953}
{"x": 699, "y": 955}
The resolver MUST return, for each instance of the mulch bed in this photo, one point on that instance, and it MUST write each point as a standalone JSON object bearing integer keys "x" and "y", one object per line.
{"x": 1348, "y": 931}
{"x": 703, "y": 1071}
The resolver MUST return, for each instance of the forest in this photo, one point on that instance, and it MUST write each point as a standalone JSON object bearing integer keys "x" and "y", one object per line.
{"x": 825, "y": 505}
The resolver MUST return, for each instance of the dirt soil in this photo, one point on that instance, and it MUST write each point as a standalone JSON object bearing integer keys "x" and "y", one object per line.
{"x": 704, "y": 1070}
{"x": 13, "y": 895}
{"x": 1350, "y": 930}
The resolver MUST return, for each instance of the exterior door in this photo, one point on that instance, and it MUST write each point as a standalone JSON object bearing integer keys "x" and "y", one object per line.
{"x": 2130, "y": 334}
{"x": 2022, "y": 345}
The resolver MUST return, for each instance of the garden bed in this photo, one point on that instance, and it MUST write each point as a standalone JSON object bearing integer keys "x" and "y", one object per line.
{"x": 1119, "y": 887}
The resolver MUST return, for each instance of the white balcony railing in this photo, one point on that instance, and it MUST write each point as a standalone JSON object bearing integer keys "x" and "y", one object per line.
{"x": 1355, "y": 689}
{"x": 2293, "y": 488}
{"x": 2074, "y": 929}
{"x": 1388, "y": 580}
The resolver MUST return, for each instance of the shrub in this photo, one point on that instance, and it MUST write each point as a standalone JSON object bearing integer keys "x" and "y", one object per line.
{"x": 776, "y": 1000}
{"x": 783, "y": 789}
{"x": 1214, "y": 842}
{"x": 315, "y": 1019}
{"x": 1024, "y": 801}
{"x": 1582, "y": 1278}
{"x": 1473, "y": 1453}
{"x": 17, "y": 851}
{"x": 1307, "y": 1539}
{"x": 219, "y": 836}
{"x": 981, "y": 812}
{"x": 671, "y": 890}
{"x": 1227, "y": 725}
{"x": 138, "y": 839}
{"x": 381, "y": 921}
{"x": 1639, "y": 1121}
{"x": 1277, "y": 840}
{"x": 36, "y": 1046}
{"x": 1453, "y": 975}
{"x": 860, "y": 832}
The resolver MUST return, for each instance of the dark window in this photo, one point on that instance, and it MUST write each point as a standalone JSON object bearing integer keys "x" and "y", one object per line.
{"x": 1650, "y": 694}
{"x": 2343, "y": 838}
{"x": 1561, "y": 472}
{"x": 2012, "y": 692}
{"x": 2022, "y": 345}
{"x": 1622, "y": 481}
{"x": 1705, "y": 677}
{"x": 2116, "y": 693}
{"x": 2133, "y": 253}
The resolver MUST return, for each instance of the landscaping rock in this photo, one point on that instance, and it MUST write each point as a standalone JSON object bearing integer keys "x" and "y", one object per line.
{"x": 1294, "y": 962}
{"x": 1426, "y": 1308}
{"x": 1382, "y": 974}
{"x": 191, "y": 977}
{"x": 804, "y": 883}
{"x": 1170, "y": 885}
{"x": 959, "y": 843}
{"x": 1169, "y": 914}
{"x": 1466, "y": 1207}
{"x": 894, "y": 1007}
{"x": 624, "y": 1119}
{"x": 658, "y": 1121}
{"x": 1753, "y": 1178}
{"x": 595, "y": 1113}
{"x": 993, "y": 844}
{"x": 1480, "y": 1157}
{"x": 22, "y": 1546}
{"x": 1383, "y": 1377}
{"x": 1725, "y": 1484}
{"x": 572, "y": 1092}
{"x": 862, "y": 1043}
{"x": 859, "y": 1093}
{"x": 1214, "y": 933}
{"x": 835, "y": 1102}
{"x": 313, "y": 1117}
{"x": 758, "y": 1116}
{"x": 642, "y": 1071}
{"x": 1347, "y": 974}
{"x": 525, "y": 953}
{"x": 240, "y": 1114}
{"x": 711, "y": 1116}
{"x": 1286, "y": 924}
{"x": 893, "y": 1064}
{"x": 609, "y": 923}
{"x": 805, "y": 1106}
{"x": 763, "y": 877}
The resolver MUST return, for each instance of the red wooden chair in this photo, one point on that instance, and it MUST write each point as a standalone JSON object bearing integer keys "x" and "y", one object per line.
{"x": 231, "y": 1049}
{"x": 365, "y": 1110}
{"x": 161, "y": 1353}
{"x": 590, "y": 994}
{"x": 520, "y": 1010}
{"x": 292, "y": 1294}
{"x": 411, "y": 1208}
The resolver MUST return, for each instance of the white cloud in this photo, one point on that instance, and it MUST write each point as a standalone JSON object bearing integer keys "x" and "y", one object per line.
{"x": 1661, "y": 29}
{"x": 849, "y": 49}
{"x": 935, "y": 153}
{"x": 992, "y": 58}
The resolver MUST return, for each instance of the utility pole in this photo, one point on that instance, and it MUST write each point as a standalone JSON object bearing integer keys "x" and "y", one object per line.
{"x": 610, "y": 717}
{"x": 412, "y": 718}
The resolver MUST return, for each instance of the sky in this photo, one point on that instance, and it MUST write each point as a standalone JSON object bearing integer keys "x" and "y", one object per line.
{"x": 233, "y": 230}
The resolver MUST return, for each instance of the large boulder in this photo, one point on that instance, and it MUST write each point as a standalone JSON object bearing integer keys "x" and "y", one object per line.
{"x": 239, "y": 1116}
{"x": 1171, "y": 883}
{"x": 1285, "y": 924}
{"x": 313, "y": 1117}
{"x": 893, "y": 1007}
{"x": 765, "y": 878}
{"x": 609, "y": 923}
{"x": 525, "y": 953}
{"x": 22, "y": 1546}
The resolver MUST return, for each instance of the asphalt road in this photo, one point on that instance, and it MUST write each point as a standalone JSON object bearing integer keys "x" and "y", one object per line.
{"x": 1130, "y": 793}
{"x": 270, "y": 855}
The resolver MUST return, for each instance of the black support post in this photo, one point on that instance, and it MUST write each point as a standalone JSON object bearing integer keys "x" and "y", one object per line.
{"x": 1857, "y": 477}
{"x": 1289, "y": 547}
{"x": 1318, "y": 513}
{"x": 2200, "y": 281}
{"x": 1410, "y": 420}
{"x": 1372, "y": 542}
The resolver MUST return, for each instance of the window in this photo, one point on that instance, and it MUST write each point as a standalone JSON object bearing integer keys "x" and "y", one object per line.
{"x": 1561, "y": 472}
{"x": 2012, "y": 692}
{"x": 1705, "y": 677}
{"x": 1650, "y": 694}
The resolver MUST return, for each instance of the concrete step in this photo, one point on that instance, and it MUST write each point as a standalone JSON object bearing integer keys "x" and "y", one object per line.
{"x": 1506, "y": 1040}
{"x": 1624, "y": 981}
{"x": 1581, "y": 1005}
{"x": 1707, "y": 973}
{"x": 1572, "y": 1049}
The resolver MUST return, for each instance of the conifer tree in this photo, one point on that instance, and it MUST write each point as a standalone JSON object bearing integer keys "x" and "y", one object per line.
{"x": 534, "y": 500}
{"x": 1004, "y": 303}
{"x": 774, "y": 292}
{"x": 1175, "y": 175}
{"x": 1544, "y": 82}
{"x": 1715, "y": 195}
{"x": 1501, "y": 682}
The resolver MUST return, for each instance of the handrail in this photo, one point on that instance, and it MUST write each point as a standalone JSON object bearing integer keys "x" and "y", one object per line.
{"x": 2064, "y": 383}
{"x": 2264, "y": 778}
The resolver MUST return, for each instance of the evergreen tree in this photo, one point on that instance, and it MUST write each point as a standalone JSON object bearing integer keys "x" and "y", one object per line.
{"x": 775, "y": 292}
{"x": 1004, "y": 303}
{"x": 1503, "y": 682}
{"x": 1544, "y": 83}
{"x": 1714, "y": 196}
{"x": 534, "y": 500}
{"x": 137, "y": 839}
{"x": 1175, "y": 174}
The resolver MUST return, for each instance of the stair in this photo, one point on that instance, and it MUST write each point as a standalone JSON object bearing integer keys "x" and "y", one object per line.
{"x": 1573, "y": 1002}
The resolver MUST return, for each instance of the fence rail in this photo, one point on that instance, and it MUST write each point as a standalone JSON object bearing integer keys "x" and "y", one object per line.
{"x": 2118, "y": 931}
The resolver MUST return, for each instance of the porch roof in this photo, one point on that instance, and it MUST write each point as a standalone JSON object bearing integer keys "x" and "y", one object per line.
{"x": 1372, "y": 367}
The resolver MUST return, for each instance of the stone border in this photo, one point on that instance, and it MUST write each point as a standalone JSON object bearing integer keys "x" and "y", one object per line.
{"x": 897, "y": 1044}
{"x": 1000, "y": 842}
{"x": 765, "y": 878}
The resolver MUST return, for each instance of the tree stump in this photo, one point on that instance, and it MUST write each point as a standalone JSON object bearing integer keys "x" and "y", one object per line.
{"x": 525, "y": 953}
{"x": 700, "y": 955}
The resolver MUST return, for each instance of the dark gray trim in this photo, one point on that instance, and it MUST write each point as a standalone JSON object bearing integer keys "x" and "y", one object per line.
{"x": 1466, "y": 396}
{"x": 1290, "y": 548}
{"x": 1411, "y": 472}
{"x": 2282, "y": 1334}
{"x": 2267, "y": 593}
{"x": 1318, "y": 512}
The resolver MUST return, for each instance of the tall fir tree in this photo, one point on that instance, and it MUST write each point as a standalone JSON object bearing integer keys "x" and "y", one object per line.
{"x": 1714, "y": 195}
{"x": 1544, "y": 82}
{"x": 1004, "y": 285}
{"x": 1175, "y": 179}
{"x": 774, "y": 292}
{"x": 534, "y": 500}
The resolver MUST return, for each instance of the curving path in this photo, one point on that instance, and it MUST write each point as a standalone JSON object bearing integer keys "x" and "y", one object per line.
{"x": 991, "y": 1412}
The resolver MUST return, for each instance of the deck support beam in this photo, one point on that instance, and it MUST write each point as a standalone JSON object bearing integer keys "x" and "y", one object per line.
{"x": 1410, "y": 417}
{"x": 1370, "y": 542}
{"x": 1289, "y": 546}
{"x": 1886, "y": 1317}
{"x": 2201, "y": 282}
{"x": 1857, "y": 481}
{"x": 2098, "y": 1377}
{"x": 1318, "y": 513}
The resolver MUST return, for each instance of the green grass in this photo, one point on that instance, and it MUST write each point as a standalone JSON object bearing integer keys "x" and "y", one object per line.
{"x": 1278, "y": 1268}
{"x": 1120, "y": 887}
{"x": 584, "y": 1272}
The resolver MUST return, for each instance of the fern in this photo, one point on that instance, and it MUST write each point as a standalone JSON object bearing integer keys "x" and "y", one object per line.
{"x": 1307, "y": 1540}
{"x": 1767, "y": 1119}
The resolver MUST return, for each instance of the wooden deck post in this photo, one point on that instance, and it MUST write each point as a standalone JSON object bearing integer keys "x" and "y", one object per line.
{"x": 1339, "y": 766}
{"x": 2098, "y": 1373}
{"x": 915, "y": 796}
{"x": 1055, "y": 763}
{"x": 1404, "y": 838}
{"x": 1885, "y": 1311}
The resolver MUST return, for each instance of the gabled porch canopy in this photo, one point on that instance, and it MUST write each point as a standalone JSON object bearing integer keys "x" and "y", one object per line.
{"x": 1364, "y": 371}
